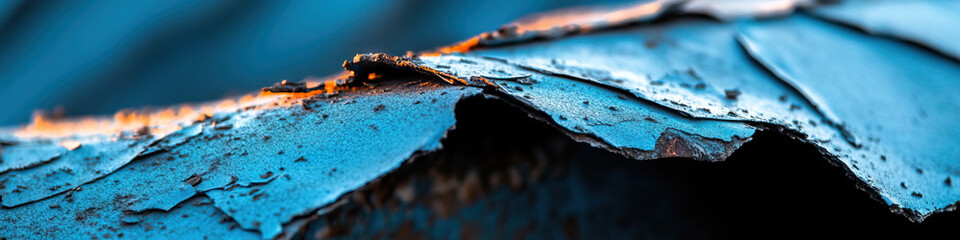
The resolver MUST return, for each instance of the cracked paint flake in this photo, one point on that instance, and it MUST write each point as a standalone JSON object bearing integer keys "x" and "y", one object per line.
{"x": 112, "y": 203}
{"x": 26, "y": 155}
{"x": 175, "y": 139}
{"x": 900, "y": 99}
{"x": 86, "y": 163}
{"x": 774, "y": 99}
{"x": 266, "y": 150}
{"x": 353, "y": 140}
{"x": 605, "y": 116}
{"x": 684, "y": 64}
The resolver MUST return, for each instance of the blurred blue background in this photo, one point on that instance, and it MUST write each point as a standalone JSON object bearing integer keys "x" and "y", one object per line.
{"x": 96, "y": 57}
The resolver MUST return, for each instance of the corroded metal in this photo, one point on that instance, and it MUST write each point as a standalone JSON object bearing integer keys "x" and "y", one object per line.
{"x": 680, "y": 87}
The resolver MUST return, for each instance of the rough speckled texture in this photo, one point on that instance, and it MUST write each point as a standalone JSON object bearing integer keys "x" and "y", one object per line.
{"x": 902, "y": 101}
{"x": 680, "y": 87}
{"x": 27, "y": 155}
{"x": 608, "y": 117}
{"x": 86, "y": 163}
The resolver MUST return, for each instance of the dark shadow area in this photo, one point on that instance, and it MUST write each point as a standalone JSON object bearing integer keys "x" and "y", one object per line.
{"x": 503, "y": 175}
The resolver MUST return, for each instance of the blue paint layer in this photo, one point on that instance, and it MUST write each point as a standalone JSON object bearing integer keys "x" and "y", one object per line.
{"x": 624, "y": 123}
{"x": 24, "y": 155}
{"x": 89, "y": 162}
{"x": 700, "y": 95}
{"x": 269, "y": 167}
{"x": 102, "y": 208}
{"x": 926, "y": 22}
{"x": 175, "y": 139}
{"x": 683, "y": 64}
{"x": 901, "y": 100}
{"x": 317, "y": 156}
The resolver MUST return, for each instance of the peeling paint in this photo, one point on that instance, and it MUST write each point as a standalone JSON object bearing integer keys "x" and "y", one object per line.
{"x": 593, "y": 113}
{"x": 74, "y": 168}
{"x": 683, "y": 64}
{"x": 175, "y": 139}
{"x": 365, "y": 64}
{"x": 681, "y": 87}
{"x": 263, "y": 151}
{"x": 275, "y": 146}
{"x": 26, "y": 155}
{"x": 906, "y": 116}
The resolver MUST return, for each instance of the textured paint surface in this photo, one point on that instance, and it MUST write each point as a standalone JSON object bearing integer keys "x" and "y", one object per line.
{"x": 350, "y": 142}
{"x": 175, "y": 139}
{"x": 685, "y": 64}
{"x": 682, "y": 64}
{"x": 617, "y": 121}
{"x": 903, "y": 101}
{"x": 694, "y": 66}
{"x": 263, "y": 170}
{"x": 101, "y": 208}
{"x": 26, "y": 155}
{"x": 86, "y": 163}
{"x": 680, "y": 87}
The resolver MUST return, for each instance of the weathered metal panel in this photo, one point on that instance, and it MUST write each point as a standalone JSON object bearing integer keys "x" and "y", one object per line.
{"x": 901, "y": 101}
{"x": 680, "y": 87}
{"x": 266, "y": 168}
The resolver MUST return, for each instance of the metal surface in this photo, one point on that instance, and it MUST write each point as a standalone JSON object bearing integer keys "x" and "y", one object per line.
{"x": 269, "y": 167}
{"x": 603, "y": 116}
{"x": 27, "y": 155}
{"x": 903, "y": 102}
{"x": 926, "y": 22}
{"x": 683, "y": 86}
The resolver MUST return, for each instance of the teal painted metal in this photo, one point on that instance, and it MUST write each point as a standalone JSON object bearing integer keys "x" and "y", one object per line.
{"x": 681, "y": 87}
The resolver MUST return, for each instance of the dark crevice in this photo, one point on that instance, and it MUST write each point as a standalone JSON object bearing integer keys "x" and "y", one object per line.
{"x": 772, "y": 186}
